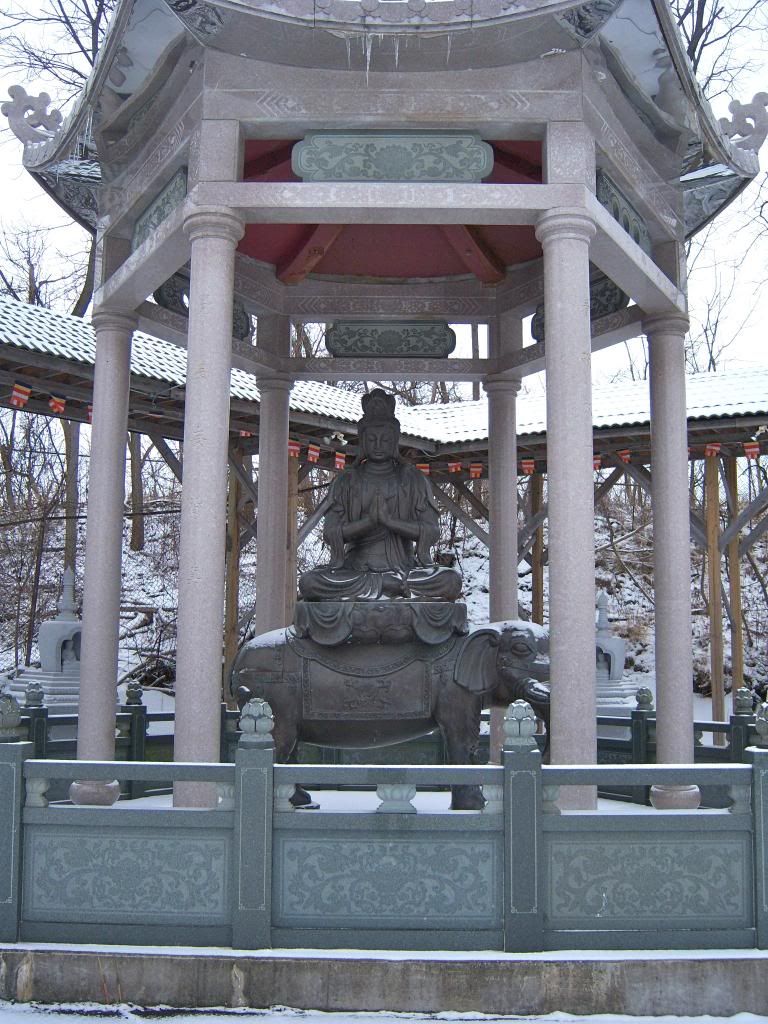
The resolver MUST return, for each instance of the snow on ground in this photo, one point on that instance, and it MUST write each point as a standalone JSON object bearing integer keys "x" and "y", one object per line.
{"x": 30, "y": 1013}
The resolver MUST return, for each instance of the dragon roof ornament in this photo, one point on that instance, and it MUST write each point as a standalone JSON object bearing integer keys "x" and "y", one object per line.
{"x": 29, "y": 118}
{"x": 748, "y": 127}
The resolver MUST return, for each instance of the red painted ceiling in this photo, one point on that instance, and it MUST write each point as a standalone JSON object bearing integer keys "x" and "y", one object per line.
{"x": 387, "y": 251}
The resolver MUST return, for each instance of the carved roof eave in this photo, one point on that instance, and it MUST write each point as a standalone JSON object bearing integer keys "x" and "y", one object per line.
{"x": 47, "y": 155}
{"x": 741, "y": 161}
{"x": 39, "y": 155}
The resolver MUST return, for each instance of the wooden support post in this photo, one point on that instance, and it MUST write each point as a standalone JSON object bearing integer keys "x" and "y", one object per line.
{"x": 137, "y": 492}
{"x": 72, "y": 499}
{"x": 712, "y": 529}
{"x": 232, "y": 581}
{"x": 475, "y": 355}
{"x": 537, "y": 553}
{"x": 734, "y": 575}
{"x": 291, "y": 539}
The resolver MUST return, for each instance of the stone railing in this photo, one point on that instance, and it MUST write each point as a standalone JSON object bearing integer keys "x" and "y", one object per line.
{"x": 384, "y": 862}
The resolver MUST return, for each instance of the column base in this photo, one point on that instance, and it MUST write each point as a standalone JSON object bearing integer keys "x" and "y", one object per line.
{"x": 675, "y": 798}
{"x": 196, "y": 795}
{"x": 94, "y": 794}
{"x": 577, "y": 798}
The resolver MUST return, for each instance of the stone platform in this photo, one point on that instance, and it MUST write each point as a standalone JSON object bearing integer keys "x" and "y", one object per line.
{"x": 718, "y": 983}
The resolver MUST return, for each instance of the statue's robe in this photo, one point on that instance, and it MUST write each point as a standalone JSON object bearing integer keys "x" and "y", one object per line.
{"x": 359, "y": 569}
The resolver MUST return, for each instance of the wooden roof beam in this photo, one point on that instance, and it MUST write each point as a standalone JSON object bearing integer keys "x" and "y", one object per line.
{"x": 312, "y": 249}
{"x": 475, "y": 253}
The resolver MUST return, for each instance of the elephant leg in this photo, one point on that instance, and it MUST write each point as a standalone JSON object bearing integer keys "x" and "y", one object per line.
{"x": 286, "y": 734}
{"x": 458, "y": 715}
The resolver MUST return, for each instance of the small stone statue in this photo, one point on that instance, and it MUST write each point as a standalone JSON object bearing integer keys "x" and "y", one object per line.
{"x": 520, "y": 726}
{"x": 256, "y": 719}
{"x": 34, "y": 695}
{"x": 381, "y": 524}
{"x": 644, "y": 699}
{"x": 743, "y": 703}
{"x": 133, "y": 694}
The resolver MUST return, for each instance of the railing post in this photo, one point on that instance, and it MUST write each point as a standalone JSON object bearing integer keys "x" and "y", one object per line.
{"x": 13, "y": 753}
{"x": 137, "y": 733}
{"x": 640, "y": 730}
{"x": 759, "y": 759}
{"x": 227, "y": 734}
{"x": 640, "y": 716}
{"x": 37, "y": 713}
{"x": 523, "y": 919}
{"x": 252, "y": 912}
{"x": 740, "y": 722}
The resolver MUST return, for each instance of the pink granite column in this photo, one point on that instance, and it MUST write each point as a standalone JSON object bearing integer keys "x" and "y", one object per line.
{"x": 502, "y": 521}
{"x": 502, "y": 498}
{"x": 671, "y": 554}
{"x": 104, "y": 549}
{"x": 272, "y": 536}
{"x": 214, "y": 234}
{"x": 565, "y": 235}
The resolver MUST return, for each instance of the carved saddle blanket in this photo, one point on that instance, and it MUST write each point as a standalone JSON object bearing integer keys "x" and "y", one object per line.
{"x": 357, "y": 682}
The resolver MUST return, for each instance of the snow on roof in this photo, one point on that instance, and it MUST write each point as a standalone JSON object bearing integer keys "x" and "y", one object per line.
{"x": 624, "y": 404}
{"x": 68, "y": 337}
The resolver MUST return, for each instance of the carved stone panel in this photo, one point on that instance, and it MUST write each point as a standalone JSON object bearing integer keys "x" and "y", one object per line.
{"x": 122, "y": 876}
{"x": 641, "y": 881}
{"x": 616, "y": 203}
{"x": 160, "y": 207}
{"x": 204, "y": 20}
{"x": 585, "y": 21}
{"x": 392, "y": 156}
{"x": 400, "y": 338}
{"x": 9, "y": 782}
{"x": 173, "y": 295}
{"x": 378, "y": 882}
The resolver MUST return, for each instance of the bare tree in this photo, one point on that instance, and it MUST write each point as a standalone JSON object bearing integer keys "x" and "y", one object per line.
{"x": 35, "y": 270}
{"x": 31, "y": 534}
{"x": 56, "y": 40}
{"x": 716, "y": 34}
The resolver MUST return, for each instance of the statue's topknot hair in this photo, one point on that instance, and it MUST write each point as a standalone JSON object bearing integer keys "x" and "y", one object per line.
{"x": 378, "y": 411}
{"x": 378, "y": 407}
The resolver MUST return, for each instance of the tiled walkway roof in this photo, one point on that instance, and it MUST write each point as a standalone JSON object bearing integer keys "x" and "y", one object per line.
{"x": 622, "y": 405}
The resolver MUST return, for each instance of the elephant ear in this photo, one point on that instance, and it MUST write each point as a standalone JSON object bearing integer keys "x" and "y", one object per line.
{"x": 475, "y": 668}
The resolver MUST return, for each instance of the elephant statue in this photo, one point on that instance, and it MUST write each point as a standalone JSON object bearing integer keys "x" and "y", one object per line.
{"x": 373, "y": 695}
